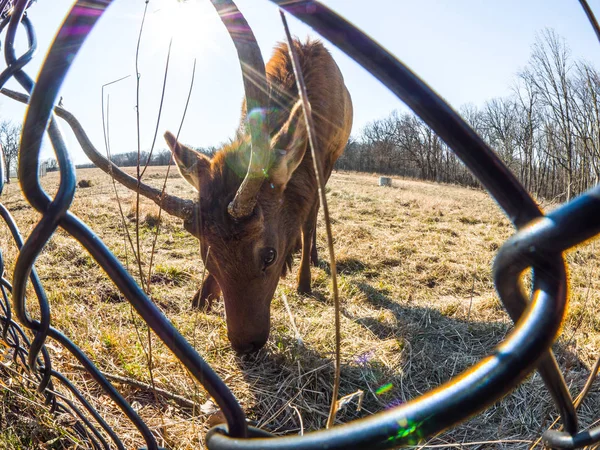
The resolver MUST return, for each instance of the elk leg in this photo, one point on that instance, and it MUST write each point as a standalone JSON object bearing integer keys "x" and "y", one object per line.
{"x": 314, "y": 255}
{"x": 308, "y": 231}
{"x": 204, "y": 297}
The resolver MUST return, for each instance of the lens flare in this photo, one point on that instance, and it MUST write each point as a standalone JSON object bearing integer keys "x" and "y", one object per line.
{"x": 385, "y": 388}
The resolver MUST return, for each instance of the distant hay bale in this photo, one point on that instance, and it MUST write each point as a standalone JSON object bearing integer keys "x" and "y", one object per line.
{"x": 385, "y": 181}
{"x": 84, "y": 183}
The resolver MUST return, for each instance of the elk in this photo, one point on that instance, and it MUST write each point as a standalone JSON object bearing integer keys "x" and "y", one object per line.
{"x": 257, "y": 196}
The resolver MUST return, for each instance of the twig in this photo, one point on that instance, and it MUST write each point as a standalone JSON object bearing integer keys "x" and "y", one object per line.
{"x": 106, "y": 131}
{"x": 580, "y": 397}
{"x": 588, "y": 384}
{"x": 478, "y": 443}
{"x": 187, "y": 102}
{"x": 137, "y": 331}
{"x": 300, "y": 418}
{"x": 289, "y": 311}
{"x": 348, "y": 398}
{"x": 184, "y": 209}
{"x": 471, "y": 301}
{"x": 137, "y": 257}
{"x": 160, "y": 108}
{"x": 194, "y": 343}
{"x": 180, "y": 400}
{"x": 146, "y": 288}
{"x": 280, "y": 410}
{"x": 164, "y": 187}
{"x": 310, "y": 129}
{"x": 139, "y": 150}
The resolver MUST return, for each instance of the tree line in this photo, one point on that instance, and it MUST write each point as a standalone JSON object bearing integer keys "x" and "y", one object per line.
{"x": 10, "y": 136}
{"x": 130, "y": 159}
{"x": 160, "y": 157}
{"x": 547, "y": 130}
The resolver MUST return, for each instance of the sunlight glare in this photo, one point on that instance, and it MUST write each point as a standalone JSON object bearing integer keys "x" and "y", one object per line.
{"x": 190, "y": 23}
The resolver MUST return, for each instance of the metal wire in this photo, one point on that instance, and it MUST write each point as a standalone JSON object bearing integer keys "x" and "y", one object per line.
{"x": 539, "y": 243}
{"x": 82, "y": 16}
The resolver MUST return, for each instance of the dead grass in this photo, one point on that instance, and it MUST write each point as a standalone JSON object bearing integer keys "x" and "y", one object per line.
{"x": 418, "y": 307}
{"x": 25, "y": 422}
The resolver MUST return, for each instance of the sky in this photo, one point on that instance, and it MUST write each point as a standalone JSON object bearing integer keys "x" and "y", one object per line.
{"x": 469, "y": 51}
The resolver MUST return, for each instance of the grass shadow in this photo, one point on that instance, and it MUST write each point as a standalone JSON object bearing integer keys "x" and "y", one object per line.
{"x": 344, "y": 266}
{"x": 438, "y": 347}
{"x": 300, "y": 385}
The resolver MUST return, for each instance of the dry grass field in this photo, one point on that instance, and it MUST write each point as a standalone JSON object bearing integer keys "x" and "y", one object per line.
{"x": 418, "y": 306}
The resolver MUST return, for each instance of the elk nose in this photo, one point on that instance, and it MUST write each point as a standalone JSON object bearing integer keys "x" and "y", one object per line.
{"x": 251, "y": 347}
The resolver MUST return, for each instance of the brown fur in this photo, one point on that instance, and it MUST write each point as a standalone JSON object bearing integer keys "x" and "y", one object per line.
{"x": 285, "y": 214}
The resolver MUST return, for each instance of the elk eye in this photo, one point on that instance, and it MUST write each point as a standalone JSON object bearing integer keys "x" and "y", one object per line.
{"x": 269, "y": 256}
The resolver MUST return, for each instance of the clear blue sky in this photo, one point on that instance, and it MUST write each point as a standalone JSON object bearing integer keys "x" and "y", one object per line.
{"x": 468, "y": 50}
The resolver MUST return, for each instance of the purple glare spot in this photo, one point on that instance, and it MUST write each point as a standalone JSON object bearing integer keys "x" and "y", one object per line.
{"x": 394, "y": 403}
{"x": 364, "y": 358}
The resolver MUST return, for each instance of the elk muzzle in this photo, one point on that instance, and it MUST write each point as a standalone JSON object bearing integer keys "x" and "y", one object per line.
{"x": 248, "y": 319}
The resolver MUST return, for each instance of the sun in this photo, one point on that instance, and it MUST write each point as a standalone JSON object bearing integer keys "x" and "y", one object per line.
{"x": 191, "y": 24}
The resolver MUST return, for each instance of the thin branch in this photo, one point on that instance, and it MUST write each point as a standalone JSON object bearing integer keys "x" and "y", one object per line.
{"x": 310, "y": 128}
{"x": 300, "y": 418}
{"x": 160, "y": 108}
{"x": 127, "y": 235}
{"x": 164, "y": 187}
{"x": 139, "y": 149}
{"x": 145, "y": 287}
{"x": 292, "y": 321}
{"x": 106, "y": 131}
{"x": 180, "y": 400}
{"x": 194, "y": 342}
{"x": 588, "y": 384}
{"x": 578, "y": 400}
{"x": 184, "y": 209}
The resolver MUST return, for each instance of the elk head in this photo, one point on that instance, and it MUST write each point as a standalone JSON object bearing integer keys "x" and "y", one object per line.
{"x": 244, "y": 222}
{"x": 248, "y": 213}
{"x": 242, "y": 211}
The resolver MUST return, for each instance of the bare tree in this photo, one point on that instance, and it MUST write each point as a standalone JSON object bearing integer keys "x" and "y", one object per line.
{"x": 528, "y": 122}
{"x": 549, "y": 71}
{"x": 547, "y": 130}
{"x": 162, "y": 158}
{"x": 10, "y": 135}
{"x": 51, "y": 165}
{"x": 586, "y": 121}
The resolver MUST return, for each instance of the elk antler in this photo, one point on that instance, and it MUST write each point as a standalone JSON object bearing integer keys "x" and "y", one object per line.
{"x": 184, "y": 209}
{"x": 255, "y": 87}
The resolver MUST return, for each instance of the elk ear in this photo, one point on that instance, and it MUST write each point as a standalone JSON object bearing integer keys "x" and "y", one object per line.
{"x": 288, "y": 147}
{"x": 191, "y": 163}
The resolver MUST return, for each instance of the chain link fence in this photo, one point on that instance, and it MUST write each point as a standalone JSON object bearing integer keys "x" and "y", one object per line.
{"x": 539, "y": 244}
